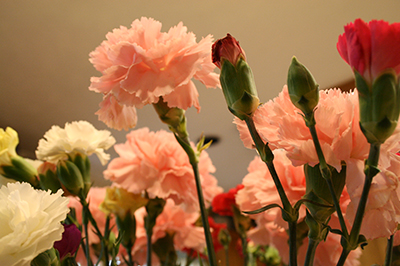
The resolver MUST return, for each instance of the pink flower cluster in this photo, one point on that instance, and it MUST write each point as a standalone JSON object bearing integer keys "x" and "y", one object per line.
{"x": 341, "y": 140}
{"x": 259, "y": 191}
{"x": 141, "y": 64}
{"x": 155, "y": 162}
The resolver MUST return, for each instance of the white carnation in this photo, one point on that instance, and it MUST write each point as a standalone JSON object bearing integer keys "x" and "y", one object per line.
{"x": 77, "y": 137}
{"x": 30, "y": 222}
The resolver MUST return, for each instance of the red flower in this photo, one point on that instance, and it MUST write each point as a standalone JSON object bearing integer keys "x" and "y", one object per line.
{"x": 69, "y": 244}
{"x": 227, "y": 48}
{"x": 222, "y": 203}
{"x": 371, "y": 48}
{"x": 216, "y": 228}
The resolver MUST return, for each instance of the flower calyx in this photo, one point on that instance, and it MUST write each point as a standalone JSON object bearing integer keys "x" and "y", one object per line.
{"x": 236, "y": 77}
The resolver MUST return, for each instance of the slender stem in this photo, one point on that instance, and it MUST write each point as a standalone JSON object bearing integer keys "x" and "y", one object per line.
{"x": 264, "y": 151}
{"x": 149, "y": 234}
{"x": 389, "y": 252}
{"x": 244, "y": 249}
{"x": 87, "y": 245}
{"x": 267, "y": 156}
{"x": 343, "y": 257}
{"x": 370, "y": 172}
{"x": 328, "y": 179}
{"x": 312, "y": 247}
{"x": 204, "y": 217}
{"x": 293, "y": 243}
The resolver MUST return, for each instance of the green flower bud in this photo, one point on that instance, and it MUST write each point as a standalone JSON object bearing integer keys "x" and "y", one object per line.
{"x": 83, "y": 163}
{"x": 70, "y": 176}
{"x": 20, "y": 170}
{"x": 172, "y": 116}
{"x": 303, "y": 90}
{"x": 320, "y": 202}
{"x": 48, "y": 177}
{"x": 236, "y": 77}
{"x": 379, "y": 106}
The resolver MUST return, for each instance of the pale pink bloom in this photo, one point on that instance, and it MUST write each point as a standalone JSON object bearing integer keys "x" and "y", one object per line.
{"x": 382, "y": 214}
{"x": 95, "y": 197}
{"x": 155, "y": 162}
{"x": 260, "y": 191}
{"x": 279, "y": 122}
{"x": 141, "y": 64}
{"x": 116, "y": 115}
{"x": 173, "y": 220}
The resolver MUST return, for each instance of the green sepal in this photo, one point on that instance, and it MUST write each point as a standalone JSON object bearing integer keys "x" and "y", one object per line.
{"x": 70, "y": 176}
{"x": 83, "y": 163}
{"x": 302, "y": 87}
{"x": 49, "y": 180}
{"x": 317, "y": 190}
{"x": 165, "y": 250}
{"x": 49, "y": 257}
{"x": 239, "y": 88}
{"x": 127, "y": 227}
{"x": 21, "y": 170}
{"x": 379, "y": 105}
{"x": 318, "y": 230}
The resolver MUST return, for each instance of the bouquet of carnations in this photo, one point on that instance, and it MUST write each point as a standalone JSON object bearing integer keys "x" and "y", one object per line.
{"x": 324, "y": 181}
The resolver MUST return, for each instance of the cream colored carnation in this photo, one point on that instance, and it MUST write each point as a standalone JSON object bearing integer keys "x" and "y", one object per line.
{"x": 8, "y": 143}
{"x": 30, "y": 222}
{"x": 76, "y": 137}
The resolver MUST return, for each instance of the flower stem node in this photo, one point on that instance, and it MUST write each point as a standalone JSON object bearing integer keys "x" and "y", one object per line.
{"x": 236, "y": 77}
{"x": 379, "y": 105}
{"x": 70, "y": 177}
{"x": 303, "y": 90}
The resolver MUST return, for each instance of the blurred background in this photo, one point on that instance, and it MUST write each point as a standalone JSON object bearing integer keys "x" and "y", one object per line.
{"x": 45, "y": 72}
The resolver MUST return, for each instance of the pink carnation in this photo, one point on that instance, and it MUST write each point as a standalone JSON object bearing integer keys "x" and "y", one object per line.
{"x": 260, "y": 191}
{"x": 141, "y": 64}
{"x": 173, "y": 220}
{"x": 155, "y": 162}
{"x": 279, "y": 122}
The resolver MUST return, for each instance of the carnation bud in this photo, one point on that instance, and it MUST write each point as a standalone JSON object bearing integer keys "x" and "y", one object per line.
{"x": 172, "y": 116}
{"x": 20, "y": 170}
{"x": 379, "y": 106}
{"x": 48, "y": 177}
{"x": 236, "y": 77}
{"x": 70, "y": 176}
{"x": 46, "y": 258}
{"x": 70, "y": 241}
{"x": 303, "y": 90}
{"x": 120, "y": 202}
{"x": 320, "y": 203}
{"x": 83, "y": 163}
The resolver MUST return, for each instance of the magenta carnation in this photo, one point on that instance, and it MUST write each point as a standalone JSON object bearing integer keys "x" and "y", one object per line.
{"x": 371, "y": 48}
{"x": 141, "y": 64}
{"x": 155, "y": 162}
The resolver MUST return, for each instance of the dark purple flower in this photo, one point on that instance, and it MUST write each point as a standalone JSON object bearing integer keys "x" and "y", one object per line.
{"x": 69, "y": 244}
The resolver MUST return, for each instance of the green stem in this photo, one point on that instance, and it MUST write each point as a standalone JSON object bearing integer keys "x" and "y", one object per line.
{"x": 291, "y": 215}
{"x": 324, "y": 168}
{"x": 267, "y": 156}
{"x": 149, "y": 234}
{"x": 370, "y": 172}
{"x": 293, "y": 243}
{"x": 312, "y": 247}
{"x": 343, "y": 257}
{"x": 389, "y": 252}
{"x": 204, "y": 217}
{"x": 87, "y": 245}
